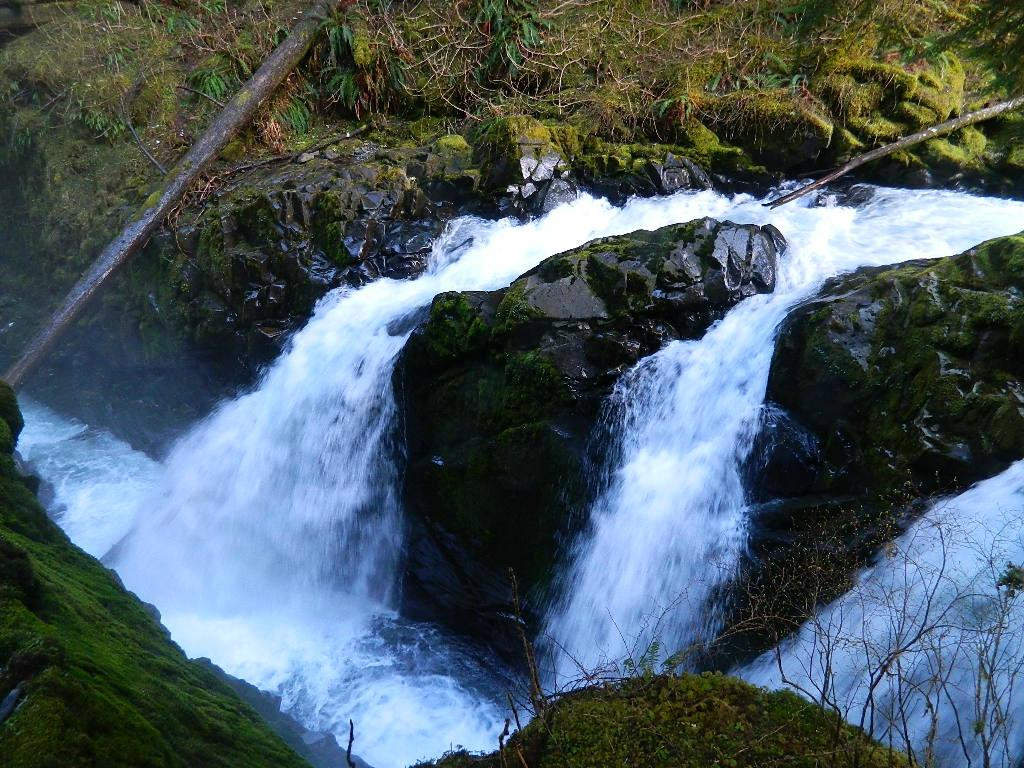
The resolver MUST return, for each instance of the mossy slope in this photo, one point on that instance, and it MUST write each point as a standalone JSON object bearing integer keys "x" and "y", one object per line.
{"x": 99, "y": 681}
{"x": 692, "y": 721}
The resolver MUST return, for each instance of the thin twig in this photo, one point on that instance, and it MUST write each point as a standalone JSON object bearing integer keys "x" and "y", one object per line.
{"x": 351, "y": 738}
{"x": 291, "y": 156}
{"x": 206, "y": 96}
{"x": 146, "y": 152}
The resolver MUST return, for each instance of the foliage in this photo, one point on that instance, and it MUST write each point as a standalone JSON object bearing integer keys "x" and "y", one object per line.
{"x": 361, "y": 74}
{"x": 995, "y": 30}
{"x": 513, "y": 27}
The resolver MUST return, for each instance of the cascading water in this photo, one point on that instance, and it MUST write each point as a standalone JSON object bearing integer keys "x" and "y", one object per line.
{"x": 269, "y": 539}
{"x": 669, "y": 524}
{"x": 926, "y": 650}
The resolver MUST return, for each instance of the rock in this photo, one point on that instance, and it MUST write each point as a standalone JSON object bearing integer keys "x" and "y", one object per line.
{"x": 502, "y": 389}
{"x": 911, "y": 374}
{"x": 10, "y": 701}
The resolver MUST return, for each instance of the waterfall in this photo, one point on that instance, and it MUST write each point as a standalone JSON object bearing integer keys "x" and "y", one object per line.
{"x": 669, "y": 523}
{"x": 932, "y": 611}
{"x": 271, "y": 537}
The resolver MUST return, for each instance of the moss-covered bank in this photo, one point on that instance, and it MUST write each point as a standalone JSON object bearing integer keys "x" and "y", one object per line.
{"x": 97, "y": 680}
{"x": 692, "y": 721}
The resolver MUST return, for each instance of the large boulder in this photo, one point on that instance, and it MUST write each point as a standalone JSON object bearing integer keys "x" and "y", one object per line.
{"x": 893, "y": 384}
{"x": 911, "y": 374}
{"x": 502, "y": 389}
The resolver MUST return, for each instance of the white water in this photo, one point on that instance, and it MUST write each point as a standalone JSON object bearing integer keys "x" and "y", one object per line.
{"x": 955, "y": 641}
{"x": 270, "y": 537}
{"x": 670, "y": 523}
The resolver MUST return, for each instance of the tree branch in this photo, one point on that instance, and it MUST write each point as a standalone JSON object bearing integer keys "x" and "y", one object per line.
{"x": 942, "y": 129}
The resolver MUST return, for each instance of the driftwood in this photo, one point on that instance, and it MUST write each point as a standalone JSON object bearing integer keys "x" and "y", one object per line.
{"x": 934, "y": 132}
{"x": 236, "y": 114}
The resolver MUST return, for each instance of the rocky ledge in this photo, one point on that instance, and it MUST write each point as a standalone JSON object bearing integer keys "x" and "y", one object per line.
{"x": 502, "y": 390}
{"x": 913, "y": 373}
{"x": 892, "y": 385}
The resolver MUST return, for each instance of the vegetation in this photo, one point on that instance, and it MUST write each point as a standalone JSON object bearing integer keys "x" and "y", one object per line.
{"x": 99, "y": 681}
{"x": 688, "y": 721}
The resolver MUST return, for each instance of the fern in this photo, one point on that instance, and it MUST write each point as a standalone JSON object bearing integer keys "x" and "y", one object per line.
{"x": 295, "y": 116}
{"x": 215, "y": 78}
{"x": 513, "y": 26}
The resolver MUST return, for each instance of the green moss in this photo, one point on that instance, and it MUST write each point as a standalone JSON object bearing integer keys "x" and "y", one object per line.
{"x": 455, "y": 328}
{"x": 533, "y": 388}
{"x": 452, "y": 143}
{"x": 211, "y": 255}
{"x": 692, "y": 721}
{"x": 9, "y": 412}
{"x": 102, "y": 682}
{"x": 513, "y": 310}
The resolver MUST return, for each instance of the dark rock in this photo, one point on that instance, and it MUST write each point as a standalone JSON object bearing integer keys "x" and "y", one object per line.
{"x": 911, "y": 374}
{"x": 784, "y": 459}
{"x": 503, "y": 388}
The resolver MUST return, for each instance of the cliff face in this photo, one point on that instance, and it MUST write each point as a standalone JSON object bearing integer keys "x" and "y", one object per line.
{"x": 88, "y": 676}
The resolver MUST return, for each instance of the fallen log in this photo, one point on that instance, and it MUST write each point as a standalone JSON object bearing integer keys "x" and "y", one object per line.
{"x": 934, "y": 132}
{"x": 236, "y": 114}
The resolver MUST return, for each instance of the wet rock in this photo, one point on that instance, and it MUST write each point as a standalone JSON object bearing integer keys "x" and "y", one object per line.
{"x": 911, "y": 374}
{"x": 502, "y": 389}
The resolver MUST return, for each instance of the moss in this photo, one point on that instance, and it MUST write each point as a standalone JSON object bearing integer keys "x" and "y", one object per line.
{"x": 922, "y": 391}
{"x": 513, "y": 310}
{"x": 455, "y": 328}
{"x": 452, "y": 143}
{"x": 500, "y": 142}
{"x": 211, "y": 255}
{"x": 691, "y": 721}
{"x": 9, "y": 412}
{"x": 533, "y": 388}
{"x": 776, "y": 127}
{"x": 103, "y": 684}
{"x": 330, "y": 220}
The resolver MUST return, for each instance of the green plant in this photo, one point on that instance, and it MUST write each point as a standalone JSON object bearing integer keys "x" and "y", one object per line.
{"x": 295, "y": 115}
{"x": 512, "y": 27}
{"x": 214, "y": 78}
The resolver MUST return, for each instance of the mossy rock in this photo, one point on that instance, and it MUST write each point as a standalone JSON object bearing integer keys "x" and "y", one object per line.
{"x": 503, "y": 388}
{"x": 10, "y": 414}
{"x": 691, "y": 721}
{"x": 911, "y": 374}
{"x": 101, "y": 683}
